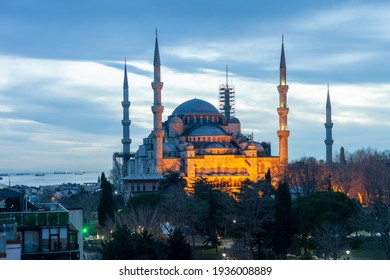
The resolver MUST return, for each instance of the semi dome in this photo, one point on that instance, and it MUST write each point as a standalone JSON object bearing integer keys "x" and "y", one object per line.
{"x": 195, "y": 107}
{"x": 215, "y": 145}
{"x": 207, "y": 130}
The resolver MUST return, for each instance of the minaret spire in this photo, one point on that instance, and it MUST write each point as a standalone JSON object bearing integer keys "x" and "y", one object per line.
{"x": 282, "y": 56}
{"x": 328, "y": 126}
{"x": 283, "y": 132}
{"x": 126, "y": 141}
{"x": 157, "y": 109}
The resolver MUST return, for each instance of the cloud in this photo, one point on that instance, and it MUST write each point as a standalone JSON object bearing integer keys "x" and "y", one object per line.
{"x": 56, "y": 112}
{"x": 346, "y": 18}
{"x": 74, "y": 113}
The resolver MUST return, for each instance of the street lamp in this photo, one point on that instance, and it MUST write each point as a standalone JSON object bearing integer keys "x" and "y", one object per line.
{"x": 348, "y": 252}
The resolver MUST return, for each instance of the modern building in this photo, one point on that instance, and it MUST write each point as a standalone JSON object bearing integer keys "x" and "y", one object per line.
{"x": 198, "y": 141}
{"x": 35, "y": 231}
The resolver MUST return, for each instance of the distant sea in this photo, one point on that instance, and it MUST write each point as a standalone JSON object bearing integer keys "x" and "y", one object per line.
{"x": 48, "y": 178}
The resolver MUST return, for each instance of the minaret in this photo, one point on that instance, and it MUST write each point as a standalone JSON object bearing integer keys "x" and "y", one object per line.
{"x": 328, "y": 127}
{"x": 342, "y": 156}
{"x": 126, "y": 141}
{"x": 157, "y": 109}
{"x": 283, "y": 132}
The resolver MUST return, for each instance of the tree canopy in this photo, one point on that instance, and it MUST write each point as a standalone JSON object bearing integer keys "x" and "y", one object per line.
{"x": 106, "y": 208}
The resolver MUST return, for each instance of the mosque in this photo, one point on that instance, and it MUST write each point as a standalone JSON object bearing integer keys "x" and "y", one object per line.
{"x": 199, "y": 141}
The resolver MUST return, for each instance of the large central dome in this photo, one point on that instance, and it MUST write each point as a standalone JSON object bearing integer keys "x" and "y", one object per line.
{"x": 195, "y": 107}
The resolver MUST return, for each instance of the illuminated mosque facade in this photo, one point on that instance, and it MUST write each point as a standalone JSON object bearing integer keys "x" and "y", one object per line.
{"x": 199, "y": 141}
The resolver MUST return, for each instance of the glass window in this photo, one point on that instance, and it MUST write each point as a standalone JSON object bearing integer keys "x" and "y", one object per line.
{"x": 63, "y": 239}
{"x": 45, "y": 240}
{"x": 31, "y": 241}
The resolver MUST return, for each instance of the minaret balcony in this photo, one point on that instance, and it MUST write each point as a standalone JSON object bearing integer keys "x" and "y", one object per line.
{"x": 126, "y": 141}
{"x": 283, "y": 133}
{"x": 282, "y": 89}
{"x": 157, "y": 85}
{"x": 157, "y": 109}
{"x": 158, "y": 133}
{"x": 126, "y": 122}
{"x": 126, "y": 104}
{"x": 283, "y": 111}
{"x": 328, "y": 142}
{"x": 328, "y": 125}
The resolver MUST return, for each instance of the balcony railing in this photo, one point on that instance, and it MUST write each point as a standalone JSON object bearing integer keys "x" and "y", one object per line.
{"x": 31, "y": 249}
{"x": 37, "y": 218}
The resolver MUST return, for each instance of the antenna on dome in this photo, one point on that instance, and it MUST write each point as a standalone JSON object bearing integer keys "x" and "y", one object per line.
{"x": 227, "y": 75}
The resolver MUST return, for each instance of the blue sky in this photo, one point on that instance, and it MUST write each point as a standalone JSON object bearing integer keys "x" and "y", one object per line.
{"x": 61, "y": 73}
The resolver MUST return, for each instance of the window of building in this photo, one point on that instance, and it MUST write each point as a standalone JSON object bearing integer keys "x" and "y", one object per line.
{"x": 30, "y": 241}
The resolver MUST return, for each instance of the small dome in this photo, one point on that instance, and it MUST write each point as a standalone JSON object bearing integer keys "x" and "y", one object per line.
{"x": 234, "y": 120}
{"x": 195, "y": 107}
{"x": 176, "y": 119}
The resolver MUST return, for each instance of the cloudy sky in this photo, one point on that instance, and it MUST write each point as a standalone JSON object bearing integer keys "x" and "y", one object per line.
{"x": 61, "y": 73}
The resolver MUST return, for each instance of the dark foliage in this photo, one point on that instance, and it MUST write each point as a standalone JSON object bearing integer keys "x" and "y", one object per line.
{"x": 178, "y": 247}
{"x": 128, "y": 244}
{"x": 282, "y": 234}
{"x": 106, "y": 209}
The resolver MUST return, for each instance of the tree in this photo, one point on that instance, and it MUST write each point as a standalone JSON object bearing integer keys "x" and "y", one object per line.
{"x": 283, "y": 220}
{"x": 129, "y": 244}
{"x": 306, "y": 174}
{"x": 317, "y": 208}
{"x": 210, "y": 202}
{"x": 178, "y": 247}
{"x": 106, "y": 209}
{"x": 253, "y": 213}
{"x": 371, "y": 174}
{"x": 376, "y": 219}
{"x": 172, "y": 180}
{"x": 327, "y": 237}
{"x": 86, "y": 200}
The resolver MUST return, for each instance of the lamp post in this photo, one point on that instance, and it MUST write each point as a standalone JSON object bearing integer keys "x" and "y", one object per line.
{"x": 348, "y": 252}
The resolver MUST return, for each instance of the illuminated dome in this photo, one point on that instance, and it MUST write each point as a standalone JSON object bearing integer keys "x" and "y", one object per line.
{"x": 195, "y": 107}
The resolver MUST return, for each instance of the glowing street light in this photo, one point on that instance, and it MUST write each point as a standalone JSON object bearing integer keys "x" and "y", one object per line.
{"x": 348, "y": 252}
